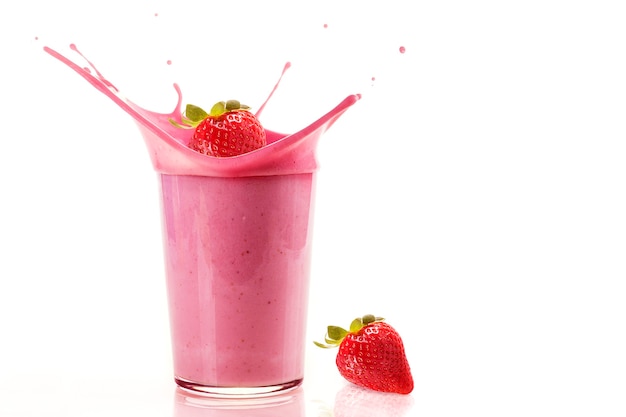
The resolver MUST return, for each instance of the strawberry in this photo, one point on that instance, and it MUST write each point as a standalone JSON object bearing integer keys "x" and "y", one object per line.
{"x": 229, "y": 129}
{"x": 371, "y": 354}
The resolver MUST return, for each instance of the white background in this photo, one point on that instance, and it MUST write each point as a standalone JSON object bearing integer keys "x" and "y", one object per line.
{"x": 475, "y": 196}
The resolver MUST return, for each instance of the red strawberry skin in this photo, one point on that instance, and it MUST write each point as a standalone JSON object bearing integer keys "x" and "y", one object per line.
{"x": 232, "y": 133}
{"x": 374, "y": 358}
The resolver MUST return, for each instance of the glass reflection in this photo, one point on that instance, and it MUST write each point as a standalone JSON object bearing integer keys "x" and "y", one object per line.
{"x": 286, "y": 405}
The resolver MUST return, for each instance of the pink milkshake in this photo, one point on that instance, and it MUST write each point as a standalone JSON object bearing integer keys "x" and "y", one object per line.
{"x": 237, "y": 260}
{"x": 237, "y": 243}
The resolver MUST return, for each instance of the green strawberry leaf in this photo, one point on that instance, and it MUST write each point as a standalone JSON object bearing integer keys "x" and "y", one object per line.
{"x": 178, "y": 125}
{"x": 336, "y": 332}
{"x": 369, "y": 318}
{"x": 233, "y": 105}
{"x": 218, "y": 108}
{"x": 356, "y": 325}
{"x": 329, "y": 341}
{"x": 195, "y": 113}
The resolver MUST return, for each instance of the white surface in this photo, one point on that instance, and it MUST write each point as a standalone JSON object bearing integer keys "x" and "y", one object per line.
{"x": 475, "y": 197}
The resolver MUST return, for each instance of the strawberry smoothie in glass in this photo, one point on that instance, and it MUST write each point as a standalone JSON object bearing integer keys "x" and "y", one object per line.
{"x": 237, "y": 255}
{"x": 237, "y": 243}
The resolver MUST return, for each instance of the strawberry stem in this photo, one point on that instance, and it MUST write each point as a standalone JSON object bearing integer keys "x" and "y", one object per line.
{"x": 193, "y": 115}
{"x": 335, "y": 334}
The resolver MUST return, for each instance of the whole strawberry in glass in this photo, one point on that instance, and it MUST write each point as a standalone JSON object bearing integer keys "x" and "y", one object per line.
{"x": 229, "y": 129}
{"x": 371, "y": 354}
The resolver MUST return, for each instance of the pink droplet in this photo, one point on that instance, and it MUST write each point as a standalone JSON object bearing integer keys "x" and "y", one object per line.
{"x": 156, "y": 15}
{"x": 402, "y": 49}
{"x": 36, "y": 38}
{"x": 325, "y": 25}
{"x": 169, "y": 62}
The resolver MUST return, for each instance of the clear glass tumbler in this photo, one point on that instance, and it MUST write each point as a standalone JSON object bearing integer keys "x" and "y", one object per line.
{"x": 237, "y": 255}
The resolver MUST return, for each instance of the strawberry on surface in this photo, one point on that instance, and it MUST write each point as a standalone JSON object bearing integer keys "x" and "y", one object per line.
{"x": 229, "y": 129}
{"x": 371, "y": 354}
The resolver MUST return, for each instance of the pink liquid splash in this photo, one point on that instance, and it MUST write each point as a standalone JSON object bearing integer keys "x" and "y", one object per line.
{"x": 167, "y": 145}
